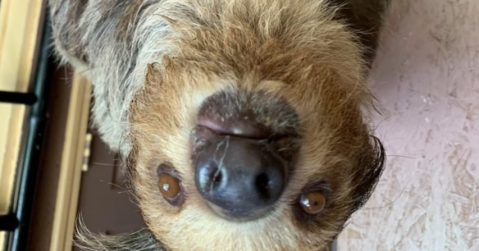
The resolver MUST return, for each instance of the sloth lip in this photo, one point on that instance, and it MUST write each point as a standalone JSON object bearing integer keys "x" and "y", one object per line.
{"x": 246, "y": 114}
{"x": 245, "y": 127}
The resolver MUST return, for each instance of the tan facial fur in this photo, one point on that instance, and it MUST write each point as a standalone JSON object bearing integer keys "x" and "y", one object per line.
{"x": 298, "y": 52}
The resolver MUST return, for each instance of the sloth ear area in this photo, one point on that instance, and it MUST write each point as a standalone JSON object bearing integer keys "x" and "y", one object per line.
{"x": 371, "y": 165}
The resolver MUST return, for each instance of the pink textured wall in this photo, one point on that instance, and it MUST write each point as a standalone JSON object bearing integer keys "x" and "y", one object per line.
{"x": 427, "y": 79}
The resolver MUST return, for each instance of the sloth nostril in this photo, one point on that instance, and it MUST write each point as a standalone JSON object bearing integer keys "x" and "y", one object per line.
{"x": 263, "y": 185}
{"x": 217, "y": 177}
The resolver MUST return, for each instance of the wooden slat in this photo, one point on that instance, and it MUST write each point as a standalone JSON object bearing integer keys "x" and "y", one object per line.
{"x": 71, "y": 167}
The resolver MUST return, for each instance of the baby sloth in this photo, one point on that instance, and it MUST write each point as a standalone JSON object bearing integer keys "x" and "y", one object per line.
{"x": 242, "y": 122}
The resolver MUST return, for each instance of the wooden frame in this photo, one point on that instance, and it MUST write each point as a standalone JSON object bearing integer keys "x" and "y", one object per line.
{"x": 71, "y": 165}
{"x": 19, "y": 32}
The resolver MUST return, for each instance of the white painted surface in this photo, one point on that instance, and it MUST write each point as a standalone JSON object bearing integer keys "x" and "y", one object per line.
{"x": 427, "y": 78}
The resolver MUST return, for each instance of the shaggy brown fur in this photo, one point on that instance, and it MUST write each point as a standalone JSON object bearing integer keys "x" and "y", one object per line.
{"x": 154, "y": 62}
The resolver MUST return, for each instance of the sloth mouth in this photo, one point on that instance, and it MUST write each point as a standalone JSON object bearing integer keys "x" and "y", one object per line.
{"x": 253, "y": 115}
{"x": 246, "y": 126}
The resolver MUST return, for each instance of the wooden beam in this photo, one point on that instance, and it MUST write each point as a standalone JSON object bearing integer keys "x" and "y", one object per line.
{"x": 71, "y": 166}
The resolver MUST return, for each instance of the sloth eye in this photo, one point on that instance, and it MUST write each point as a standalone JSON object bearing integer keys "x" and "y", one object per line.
{"x": 313, "y": 202}
{"x": 170, "y": 186}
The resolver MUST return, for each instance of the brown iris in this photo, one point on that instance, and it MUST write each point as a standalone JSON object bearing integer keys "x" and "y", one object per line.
{"x": 313, "y": 202}
{"x": 169, "y": 186}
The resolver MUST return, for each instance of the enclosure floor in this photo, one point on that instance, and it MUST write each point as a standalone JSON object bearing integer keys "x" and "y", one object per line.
{"x": 427, "y": 79}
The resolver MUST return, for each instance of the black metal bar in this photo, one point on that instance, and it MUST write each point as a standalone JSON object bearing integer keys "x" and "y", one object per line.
{"x": 28, "y": 169}
{"x": 18, "y": 98}
{"x": 8, "y": 222}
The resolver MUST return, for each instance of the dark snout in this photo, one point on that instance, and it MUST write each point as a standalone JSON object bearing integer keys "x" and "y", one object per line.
{"x": 243, "y": 153}
{"x": 241, "y": 176}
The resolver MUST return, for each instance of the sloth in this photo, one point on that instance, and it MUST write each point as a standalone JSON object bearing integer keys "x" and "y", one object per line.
{"x": 243, "y": 123}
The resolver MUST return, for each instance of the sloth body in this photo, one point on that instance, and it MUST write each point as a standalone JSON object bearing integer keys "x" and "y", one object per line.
{"x": 176, "y": 79}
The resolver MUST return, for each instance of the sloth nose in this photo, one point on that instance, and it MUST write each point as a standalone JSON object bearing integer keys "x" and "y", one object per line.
{"x": 239, "y": 177}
